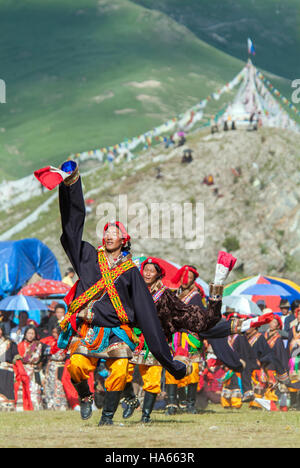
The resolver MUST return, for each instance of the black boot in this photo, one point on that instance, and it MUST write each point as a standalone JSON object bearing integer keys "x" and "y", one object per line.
{"x": 149, "y": 400}
{"x": 130, "y": 400}
{"x": 85, "y": 399}
{"x": 172, "y": 406}
{"x": 111, "y": 402}
{"x": 191, "y": 398}
{"x": 182, "y": 397}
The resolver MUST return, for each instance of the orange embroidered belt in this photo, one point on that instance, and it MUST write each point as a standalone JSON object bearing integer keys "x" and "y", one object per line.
{"x": 105, "y": 284}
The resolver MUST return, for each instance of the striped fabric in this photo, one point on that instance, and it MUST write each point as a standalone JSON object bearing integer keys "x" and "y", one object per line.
{"x": 105, "y": 284}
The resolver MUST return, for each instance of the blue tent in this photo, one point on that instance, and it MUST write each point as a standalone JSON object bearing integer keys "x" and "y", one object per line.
{"x": 19, "y": 260}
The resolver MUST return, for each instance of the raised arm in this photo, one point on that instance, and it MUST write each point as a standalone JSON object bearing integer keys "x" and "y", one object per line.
{"x": 72, "y": 210}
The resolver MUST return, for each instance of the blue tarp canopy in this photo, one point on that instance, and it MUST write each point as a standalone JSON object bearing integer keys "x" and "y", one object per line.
{"x": 19, "y": 260}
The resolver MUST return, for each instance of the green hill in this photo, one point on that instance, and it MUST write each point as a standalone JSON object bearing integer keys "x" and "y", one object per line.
{"x": 273, "y": 25}
{"x": 85, "y": 74}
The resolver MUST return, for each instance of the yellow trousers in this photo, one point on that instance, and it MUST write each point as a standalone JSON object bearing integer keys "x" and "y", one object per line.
{"x": 81, "y": 366}
{"x": 261, "y": 388}
{"x": 231, "y": 396}
{"x": 233, "y": 402}
{"x": 190, "y": 379}
{"x": 151, "y": 376}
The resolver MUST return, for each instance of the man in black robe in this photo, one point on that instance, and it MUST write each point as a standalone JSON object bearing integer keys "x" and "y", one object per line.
{"x": 134, "y": 298}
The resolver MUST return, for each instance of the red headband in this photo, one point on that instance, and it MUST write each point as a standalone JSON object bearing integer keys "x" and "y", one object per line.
{"x": 118, "y": 224}
{"x": 184, "y": 271}
{"x": 151, "y": 261}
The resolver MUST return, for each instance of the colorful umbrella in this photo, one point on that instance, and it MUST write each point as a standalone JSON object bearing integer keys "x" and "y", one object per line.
{"x": 272, "y": 302}
{"x": 20, "y": 302}
{"x": 171, "y": 269}
{"x": 242, "y": 305}
{"x": 266, "y": 290}
{"x": 45, "y": 288}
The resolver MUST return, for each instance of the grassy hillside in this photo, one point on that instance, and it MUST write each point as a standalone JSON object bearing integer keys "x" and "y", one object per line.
{"x": 273, "y": 25}
{"x": 86, "y": 74}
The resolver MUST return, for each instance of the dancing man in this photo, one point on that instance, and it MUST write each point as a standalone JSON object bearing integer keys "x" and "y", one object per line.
{"x": 106, "y": 302}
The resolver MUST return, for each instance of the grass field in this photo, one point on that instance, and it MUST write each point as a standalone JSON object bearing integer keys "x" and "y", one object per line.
{"x": 214, "y": 428}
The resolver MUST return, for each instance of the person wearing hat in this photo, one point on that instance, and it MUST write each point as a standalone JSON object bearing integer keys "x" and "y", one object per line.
{"x": 149, "y": 368}
{"x": 188, "y": 292}
{"x": 285, "y": 313}
{"x": 108, "y": 299}
{"x": 284, "y": 308}
{"x": 218, "y": 337}
{"x": 294, "y": 354}
{"x": 289, "y": 320}
{"x": 174, "y": 316}
{"x": 294, "y": 337}
{"x": 264, "y": 357}
{"x": 265, "y": 327}
{"x": 272, "y": 361}
{"x": 261, "y": 304}
{"x": 237, "y": 384}
{"x": 274, "y": 340}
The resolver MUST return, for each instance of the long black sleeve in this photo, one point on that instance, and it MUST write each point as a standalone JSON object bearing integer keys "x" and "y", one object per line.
{"x": 225, "y": 353}
{"x": 72, "y": 210}
{"x": 221, "y": 330}
{"x": 132, "y": 290}
{"x": 148, "y": 322}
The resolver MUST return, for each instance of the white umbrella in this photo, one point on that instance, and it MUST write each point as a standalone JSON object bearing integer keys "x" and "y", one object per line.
{"x": 241, "y": 304}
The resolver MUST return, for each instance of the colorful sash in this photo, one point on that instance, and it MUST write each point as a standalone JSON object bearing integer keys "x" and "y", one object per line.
{"x": 186, "y": 341}
{"x": 189, "y": 296}
{"x": 105, "y": 284}
{"x": 158, "y": 294}
{"x": 272, "y": 339}
{"x": 253, "y": 339}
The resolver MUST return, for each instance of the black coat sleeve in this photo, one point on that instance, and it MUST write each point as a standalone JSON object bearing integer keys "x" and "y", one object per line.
{"x": 225, "y": 353}
{"x": 148, "y": 322}
{"x": 221, "y": 330}
{"x": 72, "y": 210}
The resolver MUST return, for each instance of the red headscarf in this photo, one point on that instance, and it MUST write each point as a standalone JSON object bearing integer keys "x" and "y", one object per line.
{"x": 184, "y": 271}
{"x": 153, "y": 260}
{"x": 279, "y": 321}
{"x": 118, "y": 224}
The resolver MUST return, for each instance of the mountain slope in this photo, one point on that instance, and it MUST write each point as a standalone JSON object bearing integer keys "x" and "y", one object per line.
{"x": 273, "y": 25}
{"x": 256, "y": 215}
